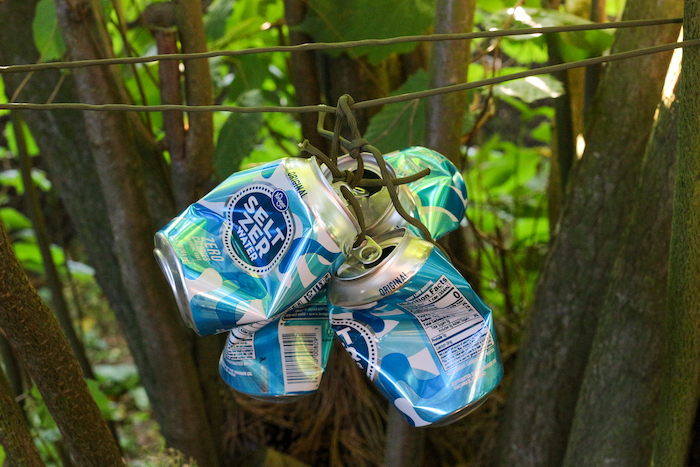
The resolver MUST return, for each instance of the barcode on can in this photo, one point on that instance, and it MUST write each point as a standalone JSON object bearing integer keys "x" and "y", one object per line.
{"x": 301, "y": 357}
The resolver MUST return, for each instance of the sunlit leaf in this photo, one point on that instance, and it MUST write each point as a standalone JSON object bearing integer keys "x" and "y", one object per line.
{"x": 531, "y": 88}
{"x": 100, "y": 398}
{"x": 12, "y": 219}
{"x": 573, "y": 45}
{"x": 530, "y": 51}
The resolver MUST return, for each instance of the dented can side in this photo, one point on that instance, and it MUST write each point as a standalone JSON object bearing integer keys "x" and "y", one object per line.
{"x": 283, "y": 359}
{"x": 255, "y": 245}
{"x": 423, "y": 336}
{"x": 441, "y": 196}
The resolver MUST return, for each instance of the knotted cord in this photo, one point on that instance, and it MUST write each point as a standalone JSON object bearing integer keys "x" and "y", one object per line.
{"x": 352, "y": 179}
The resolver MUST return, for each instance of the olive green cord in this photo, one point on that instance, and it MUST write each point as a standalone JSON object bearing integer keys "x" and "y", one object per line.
{"x": 344, "y": 114}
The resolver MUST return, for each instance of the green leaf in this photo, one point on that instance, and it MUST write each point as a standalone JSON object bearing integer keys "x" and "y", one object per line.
{"x": 334, "y": 21}
{"x": 2, "y": 455}
{"x": 13, "y": 178}
{"x": 47, "y": 33}
{"x": 400, "y": 125}
{"x": 140, "y": 398}
{"x": 529, "y": 51}
{"x": 81, "y": 270}
{"x": 217, "y": 16}
{"x": 124, "y": 374}
{"x": 543, "y": 132}
{"x": 100, "y": 398}
{"x": 29, "y": 255}
{"x": 12, "y": 219}
{"x": 531, "y": 88}
{"x": 573, "y": 45}
{"x": 238, "y": 137}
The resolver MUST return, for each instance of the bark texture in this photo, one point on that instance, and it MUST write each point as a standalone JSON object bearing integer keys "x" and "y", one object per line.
{"x": 14, "y": 436}
{"x": 681, "y": 377}
{"x": 615, "y": 414}
{"x": 304, "y": 73}
{"x": 191, "y": 175}
{"x": 176, "y": 393}
{"x": 576, "y": 274}
{"x": 448, "y": 65}
{"x": 53, "y": 280}
{"x": 60, "y": 136}
{"x": 34, "y": 332}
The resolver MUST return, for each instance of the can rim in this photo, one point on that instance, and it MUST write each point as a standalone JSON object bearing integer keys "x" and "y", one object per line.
{"x": 172, "y": 269}
{"x": 408, "y": 257}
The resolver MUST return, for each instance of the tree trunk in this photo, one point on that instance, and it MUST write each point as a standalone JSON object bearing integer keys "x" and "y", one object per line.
{"x": 176, "y": 394}
{"x": 576, "y": 274}
{"x": 191, "y": 175}
{"x": 449, "y": 63}
{"x": 565, "y": 149}
{"x": 36, "y": 335}
{"x": 303, "y": 70}
{"x": 60, "y": 137}
{"x": 681, "y": 376}
{"x": 615, "y": 414}
{"x": 14, "y": 435}
{"x": 42, "y": 238}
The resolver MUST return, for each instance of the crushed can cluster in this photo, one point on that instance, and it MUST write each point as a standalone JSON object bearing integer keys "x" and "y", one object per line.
{"x": 268, "y": 256}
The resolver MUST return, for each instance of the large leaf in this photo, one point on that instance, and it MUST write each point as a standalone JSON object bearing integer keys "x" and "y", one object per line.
{"x": 334, "y": 21}
{"x": 573, "y": 45}
{"x": 531, "y": 88}
{"x": 400, "y": 125}
{"x": 239, "y": 136}
{"x": 47, "y": 34}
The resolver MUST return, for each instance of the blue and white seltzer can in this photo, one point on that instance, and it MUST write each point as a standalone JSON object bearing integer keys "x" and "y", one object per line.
{"x": 438, "y": 200}
{"x": 417, "y": 329}
{"x": 284, "y": 358}
{"x": 441, "y": 196}
{"x": 264, "y": 240}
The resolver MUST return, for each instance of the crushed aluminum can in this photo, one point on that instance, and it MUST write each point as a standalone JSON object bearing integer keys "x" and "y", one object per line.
{"x": 441, "y": 196}
{"x": 284, "y": 358}
{"x": 256, "y": 245}
{"x": 417, "y": 329}
{"x": 438, "y": 200}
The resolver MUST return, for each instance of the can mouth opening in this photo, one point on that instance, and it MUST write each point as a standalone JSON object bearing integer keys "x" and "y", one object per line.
{"x": 385, "y": 254}
{"x": 388, "y": 242}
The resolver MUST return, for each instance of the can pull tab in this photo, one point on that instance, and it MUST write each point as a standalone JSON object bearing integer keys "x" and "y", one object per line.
{"x": 368, "y": 252}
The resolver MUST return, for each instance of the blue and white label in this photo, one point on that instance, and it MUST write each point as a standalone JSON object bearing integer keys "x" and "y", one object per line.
{"x": 259, "y": 227}
{"x": 280, "y": 201}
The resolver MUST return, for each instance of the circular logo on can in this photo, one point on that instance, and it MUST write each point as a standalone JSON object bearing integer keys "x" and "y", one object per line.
{"x": 258, "y": 231}
{"x": 279, "y": 200}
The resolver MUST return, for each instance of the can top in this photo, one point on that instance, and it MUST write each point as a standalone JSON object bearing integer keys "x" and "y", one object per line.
{"x": 377, "y": 208}
{"x": 356, "y": 283}
{"x": 326, "y": 205}
{"x": 172, "y": 268}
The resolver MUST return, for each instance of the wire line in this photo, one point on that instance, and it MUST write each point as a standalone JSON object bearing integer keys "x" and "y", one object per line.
{"x": 362, "y": 104}
{"x": 339, "y": 45}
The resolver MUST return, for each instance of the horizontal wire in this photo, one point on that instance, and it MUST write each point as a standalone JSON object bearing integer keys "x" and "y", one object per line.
{"x": 362, "y": 104}
{"x": 339, "y": 45}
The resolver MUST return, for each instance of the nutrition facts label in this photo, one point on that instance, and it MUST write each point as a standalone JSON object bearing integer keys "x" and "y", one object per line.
{"x": 243, "y": 349}
{"x": 457, "y": 332}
